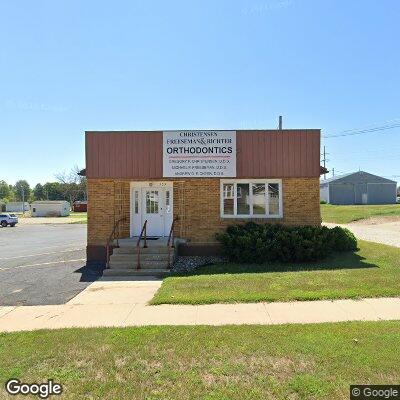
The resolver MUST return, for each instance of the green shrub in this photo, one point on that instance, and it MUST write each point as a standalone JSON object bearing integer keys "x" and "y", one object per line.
{"x": 257, "y": 243}
{"x": 322, "y": 202}
{"x": 343, "y": 239}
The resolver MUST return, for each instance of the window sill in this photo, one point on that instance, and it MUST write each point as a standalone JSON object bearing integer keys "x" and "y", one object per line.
{"x": 251, "y": 216}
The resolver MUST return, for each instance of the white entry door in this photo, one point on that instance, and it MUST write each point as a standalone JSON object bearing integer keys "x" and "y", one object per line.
{"x": 154, "y": 204}
{"x": 153, "y": 211}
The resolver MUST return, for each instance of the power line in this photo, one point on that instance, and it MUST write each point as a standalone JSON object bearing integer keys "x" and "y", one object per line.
{"x": 374, "y": 125}
{"x": 370, "y": 157}
{"x": 353, "y": 132}
{"x": 378, "y": 152}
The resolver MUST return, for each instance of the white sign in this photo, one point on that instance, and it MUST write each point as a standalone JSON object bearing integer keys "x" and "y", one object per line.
{"x": 199, "y": 154}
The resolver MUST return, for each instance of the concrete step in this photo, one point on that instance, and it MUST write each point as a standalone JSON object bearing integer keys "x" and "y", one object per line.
{"x": 143, "y": 264}
{"x": 133, "y": 272}
{"x": 143, "y": 257}
{"x": 143, "y": 250}
{"x": 160, "y": 242}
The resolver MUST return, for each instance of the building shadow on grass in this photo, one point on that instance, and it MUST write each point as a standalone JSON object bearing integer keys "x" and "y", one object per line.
{"x": 90, "y": 272}
{"x": 347, "y": 260}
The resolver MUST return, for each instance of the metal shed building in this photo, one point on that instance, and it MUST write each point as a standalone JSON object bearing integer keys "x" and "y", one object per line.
{"x": 17, "y": 206}
{"x": 50, "y": 208}
{"x": 358, "y": 188}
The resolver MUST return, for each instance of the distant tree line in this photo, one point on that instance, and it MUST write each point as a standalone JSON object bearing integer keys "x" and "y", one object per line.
{"x": 67, "y": 186}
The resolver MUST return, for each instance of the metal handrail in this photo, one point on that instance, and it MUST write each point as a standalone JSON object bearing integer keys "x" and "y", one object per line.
{"x": 110, "y": 238}
{"x": 144, "y": 230}
{"x": 171, "y": 237}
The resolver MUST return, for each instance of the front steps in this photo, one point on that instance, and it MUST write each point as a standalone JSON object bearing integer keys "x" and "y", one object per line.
{"x": 153, "y": 259}
{"x": 132, "y": 272}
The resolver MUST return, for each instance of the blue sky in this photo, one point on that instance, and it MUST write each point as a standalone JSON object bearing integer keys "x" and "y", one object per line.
{"x": 71, "y": 66}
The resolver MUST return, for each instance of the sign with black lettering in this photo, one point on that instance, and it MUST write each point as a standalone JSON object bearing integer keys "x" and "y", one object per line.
{"x": 199, "y": 154}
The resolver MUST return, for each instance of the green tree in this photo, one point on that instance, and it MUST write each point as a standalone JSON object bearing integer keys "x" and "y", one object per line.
{"x": 5, "y": 190}
{"x": 53, "y": 191}
{"x": 22, "y": 189}
{"x": 38, "y": 192}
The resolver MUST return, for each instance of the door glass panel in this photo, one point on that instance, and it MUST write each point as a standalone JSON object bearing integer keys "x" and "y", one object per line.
{"x": 152, "y": 201}
{"x": 228, "y": 193}
{"x": 273, "y": 197}
{"x": 243, "y": 199}
{"x": 168, "y": 201}
{"x": 259, "y": 198}
{"x": 136, "y": 202}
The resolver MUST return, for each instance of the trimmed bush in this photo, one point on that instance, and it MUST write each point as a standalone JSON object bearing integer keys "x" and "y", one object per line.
{"x": 255, "y": 243}
{"x": 343, "y": 239}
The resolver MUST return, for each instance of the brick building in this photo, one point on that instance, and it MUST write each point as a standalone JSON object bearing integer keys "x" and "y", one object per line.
{"x": 204, "y": 180}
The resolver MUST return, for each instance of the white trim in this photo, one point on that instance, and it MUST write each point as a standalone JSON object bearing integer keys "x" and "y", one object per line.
{"x": 234, "y": 197}
{"x": 151, "y": 184}
{"x": 251, "y": 215}
{"x": 139, "y": 185}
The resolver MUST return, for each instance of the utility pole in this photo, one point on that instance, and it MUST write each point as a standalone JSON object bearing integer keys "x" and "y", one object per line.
{"x": 324, "y": 160}
{"x": 23, "y": 200}
{"x": 333, "y": 172}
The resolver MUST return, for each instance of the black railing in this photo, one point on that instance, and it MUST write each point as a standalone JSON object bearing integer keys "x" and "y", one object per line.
{"x": 143, "y": 234}
{"x": 111, "y": 238}
{"x": 171, "y": 241}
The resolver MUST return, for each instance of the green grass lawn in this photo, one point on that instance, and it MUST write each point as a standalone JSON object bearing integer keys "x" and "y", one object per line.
{"x": 228, "y": 362}
{"x": 374, "y": 270}
{"x": 79, "y": 217}
{"x": 346, "y": 214}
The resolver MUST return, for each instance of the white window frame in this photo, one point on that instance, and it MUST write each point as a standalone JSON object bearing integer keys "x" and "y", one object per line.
{"x": 231, "y": 194}
{"x": 250, "y": 182}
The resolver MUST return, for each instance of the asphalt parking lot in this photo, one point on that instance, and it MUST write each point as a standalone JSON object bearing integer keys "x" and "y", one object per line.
{"x": 43, "y": 264}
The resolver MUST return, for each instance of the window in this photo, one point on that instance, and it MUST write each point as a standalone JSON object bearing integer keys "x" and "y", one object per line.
{"x": 259, "y": 204}
{"x": 228, "y": 198}
{"x": 256, "y": 198}
{"x": 136, "y": 202}
{"x": 243, "y": 198}
{"x": 151, "y": 201}
{"x": 273, "y": 199}
{"x": 228, "y": 191}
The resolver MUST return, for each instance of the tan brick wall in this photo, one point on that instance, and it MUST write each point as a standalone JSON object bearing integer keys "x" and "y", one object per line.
{"x": 100, "y": 210}
{"x": 197, "y": 203}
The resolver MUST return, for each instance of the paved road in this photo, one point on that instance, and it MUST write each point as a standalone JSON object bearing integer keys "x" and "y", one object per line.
{"x": 43, "y": 264}
{"x": 50, "y": 220}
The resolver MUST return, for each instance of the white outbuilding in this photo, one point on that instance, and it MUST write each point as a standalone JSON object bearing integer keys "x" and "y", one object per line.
{"x": 17, "y": 206}
{"x": 50, "y": 208}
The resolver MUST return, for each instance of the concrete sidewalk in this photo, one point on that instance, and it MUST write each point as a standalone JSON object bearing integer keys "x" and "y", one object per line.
{"x": 123, "y": 302}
